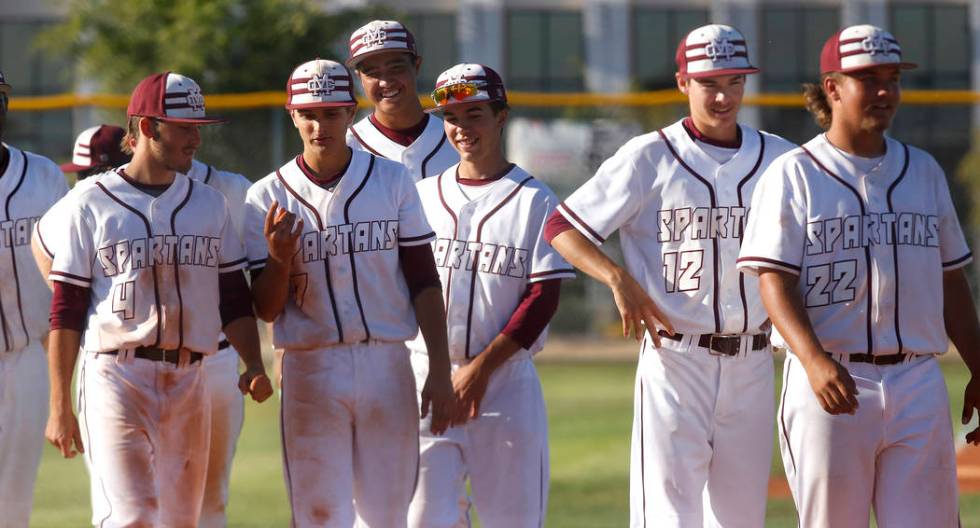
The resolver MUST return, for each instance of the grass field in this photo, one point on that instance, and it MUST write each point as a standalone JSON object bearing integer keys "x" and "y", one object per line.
{"x": 590, "y": 413}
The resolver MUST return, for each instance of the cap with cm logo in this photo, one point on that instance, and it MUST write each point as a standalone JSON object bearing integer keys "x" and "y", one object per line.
{"x": 859, "y": 47}
{"x": 98, "y": 146}
{"x": 378, "y": 36}
{"x": 170, "y": 97}
{"x": 713, "y": 50}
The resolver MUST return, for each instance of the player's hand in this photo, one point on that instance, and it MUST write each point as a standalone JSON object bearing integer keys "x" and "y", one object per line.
{"x": 470, "y": 385}
{"x": 63, "y": 432}
{"x": 282, "y": 231}
{"x": 638, "y": 310}
{"x": 438, "y": 394}
{"x": 832, "y": 384}
{"x": 971, "y": 401}
{"x": 255, "y": 383}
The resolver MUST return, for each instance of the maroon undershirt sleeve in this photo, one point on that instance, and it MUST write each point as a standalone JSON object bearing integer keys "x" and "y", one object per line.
{"x": 419, "y": 268}
{"x": 69, "y": 306}
{"x": 537, "y": 307}
{"x": 235, "y": 297}
{"x": 556, "y": 225}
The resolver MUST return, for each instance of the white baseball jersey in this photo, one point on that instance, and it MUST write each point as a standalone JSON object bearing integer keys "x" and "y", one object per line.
{"x": 429, "y": 155}
{"x": 681, "y": 214}
{"x": 231, "y": 185}
{"x": 151, "y": 262}
{"x": 28, "y": 187}
{"x": 346, "y": 282}
{"x": 870, "y": 249}
{"x": 487, "y": 251}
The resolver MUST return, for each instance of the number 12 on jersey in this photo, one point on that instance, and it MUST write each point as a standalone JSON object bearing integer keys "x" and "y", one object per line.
{"x": 682, "y": 270}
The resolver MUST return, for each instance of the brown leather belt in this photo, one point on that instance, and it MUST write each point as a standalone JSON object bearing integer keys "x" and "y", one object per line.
{"x": 158, "y": 354}
{"x": 887, "y": 359}
{"x": 722, "y": 345}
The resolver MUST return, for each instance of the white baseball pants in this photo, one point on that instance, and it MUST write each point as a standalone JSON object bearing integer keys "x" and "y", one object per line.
{"x": 702, "y": 437}
{"x": 145, "y": 428}
{"x": 227, "y": 415}
{"x": 23, "y": 415}
{"x": 895, "y": 454}
{"x": 503, "y": 453}
{"x": 349, "y": 435}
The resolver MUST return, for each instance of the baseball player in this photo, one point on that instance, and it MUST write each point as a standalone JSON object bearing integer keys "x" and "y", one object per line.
{"x": 860, "y": 259}
{"x": 384, "y": 55}
{"x": 147, "y": 276}
{"x": 501, "y": 281}
{"x": 29, "y": 185}
{"x": 679, "y": 196}
{"x": 227, "y": 404}
{"x": 96, "y": 150}
{"x": 338, "y": 244}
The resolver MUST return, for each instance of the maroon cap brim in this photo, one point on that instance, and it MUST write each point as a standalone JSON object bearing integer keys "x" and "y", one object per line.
{"x": 901, "y": 66}
{"x": 318, "y": 105}
{"x": 354, "y": 61}
{"x": 192, "y": 120}
{"x": 721, "y": 73}
{"x": 71, "y": 167}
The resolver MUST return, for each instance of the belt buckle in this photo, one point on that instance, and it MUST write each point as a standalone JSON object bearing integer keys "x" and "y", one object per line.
{"x": 715, "y": 352}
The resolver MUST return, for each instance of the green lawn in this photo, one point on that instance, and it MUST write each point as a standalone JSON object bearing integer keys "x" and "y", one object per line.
{"x": 590, "y": 408}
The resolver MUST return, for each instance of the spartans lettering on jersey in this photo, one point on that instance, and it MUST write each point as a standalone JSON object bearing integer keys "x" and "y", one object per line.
{"x": 140, "y": 253}
{"x": 701, "y": 223}
{"x": 17, "y": 232}
{"x": 377, "y": 235}
{"x": 485, "y": 257}
{"x": 857, "y": 231}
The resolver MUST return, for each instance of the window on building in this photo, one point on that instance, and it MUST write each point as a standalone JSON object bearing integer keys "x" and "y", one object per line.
{"x": 31, "y": 72}
{"x": 937, "y": 38}
{"x": 435, "y": 36}
{"x": 545, "y": 51}
{"x": 656, "y": 33}
{"x": 790, "y": 44}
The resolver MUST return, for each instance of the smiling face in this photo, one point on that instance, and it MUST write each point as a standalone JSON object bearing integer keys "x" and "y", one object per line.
{"x": 323, "y": 129}
{"x": 475, "y": 131}
{"x": 389, "y": 80}
{"x": 865, "y": 100}
{"x": 714, "y": 101}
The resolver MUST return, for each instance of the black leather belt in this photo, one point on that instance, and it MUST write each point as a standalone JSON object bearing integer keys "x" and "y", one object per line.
{"x": 886, "y": 359}
{"x": 158, "y": 354}
{"x": 723, "y": 345}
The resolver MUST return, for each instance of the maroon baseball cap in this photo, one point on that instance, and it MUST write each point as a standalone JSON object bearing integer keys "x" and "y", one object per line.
{"x": 379, "y": 36}
{"x": 860, "y": 47}
{"x": 170, "y": 97}
{"x": 467, "y": 83}
{"x": 99, "y": 146}
{"x": 712, "y": 51}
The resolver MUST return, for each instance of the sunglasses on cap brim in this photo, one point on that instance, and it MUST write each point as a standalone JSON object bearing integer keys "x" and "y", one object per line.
{"x": 457, "y": 91}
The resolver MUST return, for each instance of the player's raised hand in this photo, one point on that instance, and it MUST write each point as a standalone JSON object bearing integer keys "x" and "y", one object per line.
{"x": 257, "y": 384}
{"x": 438, "y": 395}
{"x": 282, "y": 231}
{"x": 638, "y": 310}
{"x": 832, "y": 384}
{"x": 63, "y": 433}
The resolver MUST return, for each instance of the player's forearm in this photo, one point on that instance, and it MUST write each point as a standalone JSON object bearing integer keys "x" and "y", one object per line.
{"x": 502, "y": 348}
{"x": 960, "y": 315}
{"x": 243, "y": 334}
{"x": 41, "y": 258}
{"x": 431, "y": 316}
{"x": 62, "y": 353}
{"x": 270, "y": 290}
{"x": 785, "y": 308}
{"x": 586, "y": 256}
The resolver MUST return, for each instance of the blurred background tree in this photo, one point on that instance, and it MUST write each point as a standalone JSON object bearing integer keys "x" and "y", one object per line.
{"x": 227, "y": 46}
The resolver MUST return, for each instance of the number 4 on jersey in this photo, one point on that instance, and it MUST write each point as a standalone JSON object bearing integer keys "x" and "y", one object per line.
{"x": 123, "y": 299}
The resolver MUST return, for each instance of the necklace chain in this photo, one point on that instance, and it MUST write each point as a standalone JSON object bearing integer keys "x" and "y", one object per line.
{"x": 881, "y": 159}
